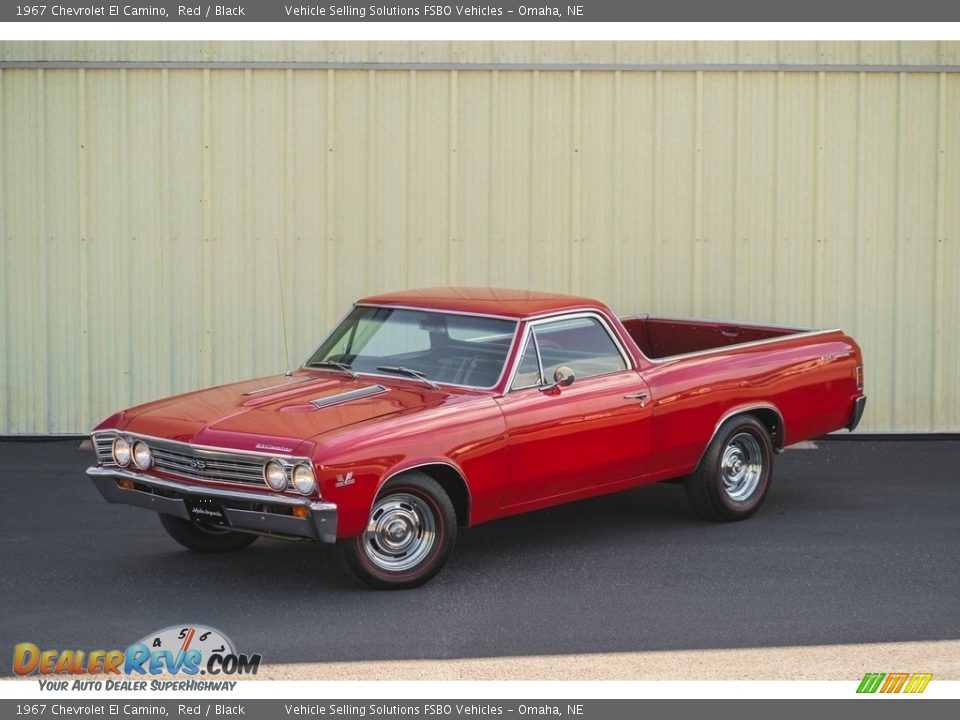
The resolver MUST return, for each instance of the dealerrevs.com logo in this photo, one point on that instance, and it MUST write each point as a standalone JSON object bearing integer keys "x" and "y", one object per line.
{"x": 177, "y": 650}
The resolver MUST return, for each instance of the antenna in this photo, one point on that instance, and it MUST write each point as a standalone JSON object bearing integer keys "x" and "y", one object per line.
{"x": 283, "y": 311}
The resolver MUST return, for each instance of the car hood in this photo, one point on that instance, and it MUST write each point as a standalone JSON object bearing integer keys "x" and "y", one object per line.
{"x": 279, "y": 413}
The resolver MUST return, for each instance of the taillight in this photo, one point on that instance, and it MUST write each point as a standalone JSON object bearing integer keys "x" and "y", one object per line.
{"x": 859, "y": 377}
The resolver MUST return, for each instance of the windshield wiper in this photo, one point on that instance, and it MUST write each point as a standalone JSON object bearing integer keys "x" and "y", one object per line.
{"x": 343, "y": 367}
{"x": 410, "y": 373}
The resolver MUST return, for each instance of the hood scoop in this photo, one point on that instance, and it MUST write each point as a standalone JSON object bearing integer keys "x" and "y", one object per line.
{"x": 348, "y": 396}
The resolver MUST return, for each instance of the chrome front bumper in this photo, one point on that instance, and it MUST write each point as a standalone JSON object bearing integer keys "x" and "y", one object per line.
{"x": 254, "y": 512}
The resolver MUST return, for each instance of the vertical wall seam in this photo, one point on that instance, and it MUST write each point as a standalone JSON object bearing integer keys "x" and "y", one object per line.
{"x": 5, "y": 369}
{"x": 86, "y": 385}
{"x": 699, "y": 243}
{"x": 330, "y": 178}
{"x": 286, "y": 246}
{"x": 819, "y": 205}
{"x": 576, "y": 183}
{"x": 531, "y": 240}
{"x": 777, "y": 189}
{"x": 737, "y": 129}
{"x": 43, "y": 402}
{"x": 860, "y": 242}
{"x": 206, "y": 360}
{"x": 454, "y": 241}
{"x": 938, "y": 354}
{"x": 249, "y": 233}
{"x": 618, "y": 256}
{"x": 896, "y": 407}
{"x": 372, "y": 206}
{"x": 656, "y": 246}
{"x": 493, "y": 175}
{"x": 858, "y": 198}
{"x": 412, "y": 150}
{"x": 165, "y": 240}
{"x": 129, "y": 250}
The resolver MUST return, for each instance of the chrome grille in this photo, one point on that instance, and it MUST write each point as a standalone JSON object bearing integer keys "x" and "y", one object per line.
{"x": 203, "y": 467}
{"x": 187, "y": 461}
{"x": 103, "y": 445}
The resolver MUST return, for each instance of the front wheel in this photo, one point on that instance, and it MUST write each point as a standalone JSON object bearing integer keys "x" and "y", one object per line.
{"x": 204, "y": 538}
{"x": 732, "y": 479}
{"x": 410, "y": 533}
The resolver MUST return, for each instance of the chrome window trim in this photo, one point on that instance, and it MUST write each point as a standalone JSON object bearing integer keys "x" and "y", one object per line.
{"x": 567, "y": 315}
{"x": 495, "y": 316}
{"x": 719, "y": 321}
{"x": 503, "y": 370}
{"x": 727, "y": 348}
{"x": 523, "y": 351}
{"x": 536, "y": 347}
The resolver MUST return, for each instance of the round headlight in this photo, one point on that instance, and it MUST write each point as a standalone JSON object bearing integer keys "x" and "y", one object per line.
{"x": 303, "y": 479}
{"x": 121, "y": 452}
{"x": 142, "y": 457}
{"x": 275, "y": 476}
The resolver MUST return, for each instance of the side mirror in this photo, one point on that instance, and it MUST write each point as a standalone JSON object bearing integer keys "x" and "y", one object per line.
{"x": 562, "y": 377}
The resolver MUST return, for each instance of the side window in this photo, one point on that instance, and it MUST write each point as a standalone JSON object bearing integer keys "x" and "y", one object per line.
{"x": 528, "y": 372}
{"x": 582, "y": 344}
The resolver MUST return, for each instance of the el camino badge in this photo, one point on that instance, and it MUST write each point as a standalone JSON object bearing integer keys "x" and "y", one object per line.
{"x": 344, "y": 480}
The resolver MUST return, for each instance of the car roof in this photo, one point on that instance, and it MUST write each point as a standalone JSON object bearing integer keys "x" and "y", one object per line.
{"x": 483, "y": 301}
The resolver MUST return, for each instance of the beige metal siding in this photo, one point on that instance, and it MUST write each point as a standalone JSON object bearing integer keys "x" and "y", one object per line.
{"x": 167, "y": 227}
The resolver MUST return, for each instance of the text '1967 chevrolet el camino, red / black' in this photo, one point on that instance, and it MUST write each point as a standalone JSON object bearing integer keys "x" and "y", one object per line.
{"x": 431, "y": 410}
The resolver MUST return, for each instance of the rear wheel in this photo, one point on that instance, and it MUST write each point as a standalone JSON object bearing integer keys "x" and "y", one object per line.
{"x": 410, "y": 533}
{"x": 733, "y": 477}
{"x": 204, "y": 538}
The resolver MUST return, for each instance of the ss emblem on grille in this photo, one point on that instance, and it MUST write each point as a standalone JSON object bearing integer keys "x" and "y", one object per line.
{"x": 197, "y": 464}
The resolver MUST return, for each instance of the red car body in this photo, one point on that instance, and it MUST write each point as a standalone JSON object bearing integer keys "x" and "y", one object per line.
{"x": 495, "y": 451}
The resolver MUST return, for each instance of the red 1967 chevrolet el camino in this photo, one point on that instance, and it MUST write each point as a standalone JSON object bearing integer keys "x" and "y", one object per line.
{"x": 430, "y": 410}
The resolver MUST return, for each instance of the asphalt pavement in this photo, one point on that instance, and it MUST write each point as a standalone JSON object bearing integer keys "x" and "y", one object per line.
{"x": 858, "y": 542}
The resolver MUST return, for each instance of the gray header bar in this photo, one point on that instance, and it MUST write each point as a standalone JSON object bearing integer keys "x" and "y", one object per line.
{"x": 312, "y": 11}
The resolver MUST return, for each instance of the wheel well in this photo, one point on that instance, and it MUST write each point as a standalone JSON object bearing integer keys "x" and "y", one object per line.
{"x": 772, "y": 421}
{"x": 454, "y": 485}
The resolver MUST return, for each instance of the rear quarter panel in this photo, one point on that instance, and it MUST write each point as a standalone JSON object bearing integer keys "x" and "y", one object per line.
{"x": 809, "y": 378}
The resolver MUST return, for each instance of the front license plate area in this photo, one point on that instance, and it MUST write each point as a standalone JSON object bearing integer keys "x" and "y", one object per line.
{"x": 206, "y": 511}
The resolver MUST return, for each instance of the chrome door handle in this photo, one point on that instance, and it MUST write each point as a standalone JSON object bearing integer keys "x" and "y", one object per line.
{"x": 642, "y": 396}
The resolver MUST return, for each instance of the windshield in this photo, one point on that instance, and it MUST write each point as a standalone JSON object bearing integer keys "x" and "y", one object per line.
{"x": 433, "y": 346}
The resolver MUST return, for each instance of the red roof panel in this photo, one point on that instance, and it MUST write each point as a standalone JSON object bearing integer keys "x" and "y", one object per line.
{"x": 491, "y": 301}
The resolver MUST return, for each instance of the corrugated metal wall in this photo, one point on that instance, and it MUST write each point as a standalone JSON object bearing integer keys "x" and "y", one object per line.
{"x": 166, "y": 227}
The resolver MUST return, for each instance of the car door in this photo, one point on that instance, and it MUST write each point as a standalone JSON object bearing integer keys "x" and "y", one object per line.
{"x": 573, "y": 439}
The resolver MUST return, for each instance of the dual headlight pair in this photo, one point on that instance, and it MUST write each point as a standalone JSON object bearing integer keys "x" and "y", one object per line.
{"x": 137, "y": 453}
{"x": 275, "y": 476}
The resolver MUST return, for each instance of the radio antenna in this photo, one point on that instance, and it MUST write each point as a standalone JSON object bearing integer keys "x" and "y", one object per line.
{"x": 283, "y": 311}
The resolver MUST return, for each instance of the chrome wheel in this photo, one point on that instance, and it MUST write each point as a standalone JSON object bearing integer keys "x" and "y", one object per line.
{"x": 401, "y": 532}
{"x": 741, "y": 466}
